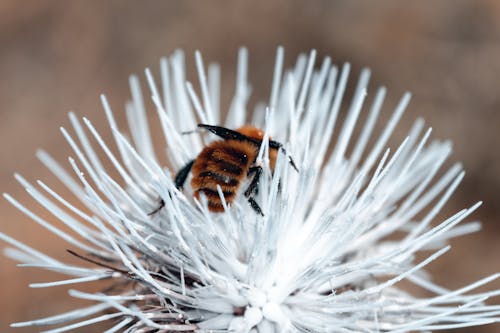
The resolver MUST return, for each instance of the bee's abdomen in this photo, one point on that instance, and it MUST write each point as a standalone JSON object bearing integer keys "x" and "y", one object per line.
{"x": 220, "y": 163}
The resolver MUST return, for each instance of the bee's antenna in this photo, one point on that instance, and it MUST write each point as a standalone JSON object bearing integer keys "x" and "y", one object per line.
{"x": 189, "y": 132}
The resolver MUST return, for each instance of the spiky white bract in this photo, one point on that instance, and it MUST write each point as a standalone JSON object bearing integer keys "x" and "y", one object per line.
{"x": 328, "y": 253}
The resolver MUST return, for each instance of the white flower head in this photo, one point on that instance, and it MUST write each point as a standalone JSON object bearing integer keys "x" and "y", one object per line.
{"x": 326, "y": 254}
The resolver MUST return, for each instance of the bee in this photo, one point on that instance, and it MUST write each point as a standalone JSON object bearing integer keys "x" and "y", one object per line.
{"x": 227, "y": 163}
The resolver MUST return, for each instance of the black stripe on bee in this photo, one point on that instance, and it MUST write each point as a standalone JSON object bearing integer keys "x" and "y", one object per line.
{"x": 211, "y": 194}
{"x": 222, "y": 179}
{"x": 238, "y": 154}
{"x": 228, "y": 167}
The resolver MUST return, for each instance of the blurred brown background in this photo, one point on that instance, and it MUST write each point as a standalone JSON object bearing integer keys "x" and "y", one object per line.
{"x": 57, "y": 56}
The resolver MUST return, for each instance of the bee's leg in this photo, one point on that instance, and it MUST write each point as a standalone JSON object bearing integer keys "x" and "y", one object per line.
{"x": 180, "y": 179}
{"x": 182, "y": 175}
{"x": 253, "y": 188}
{"x": 255, "y": 206}
{"x": 162, "y": 204}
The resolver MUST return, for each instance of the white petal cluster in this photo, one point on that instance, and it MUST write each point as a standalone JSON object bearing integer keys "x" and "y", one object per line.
{"x": 335, "y": 239}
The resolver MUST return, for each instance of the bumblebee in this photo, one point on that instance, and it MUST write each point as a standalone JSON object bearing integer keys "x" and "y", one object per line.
{"x": 227, "y": 163}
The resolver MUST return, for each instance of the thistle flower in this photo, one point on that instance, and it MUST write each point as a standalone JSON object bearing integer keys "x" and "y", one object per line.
{"x": 328, "y": 252}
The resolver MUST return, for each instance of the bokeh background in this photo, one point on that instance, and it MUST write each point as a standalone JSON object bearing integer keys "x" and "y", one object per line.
{"x": 57, "y": 56}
